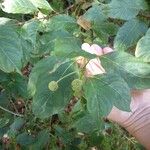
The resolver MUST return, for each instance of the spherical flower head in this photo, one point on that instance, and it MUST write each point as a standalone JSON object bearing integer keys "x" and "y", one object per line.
{"x": 53, "y": 86}
{"x": 77, "y": 85}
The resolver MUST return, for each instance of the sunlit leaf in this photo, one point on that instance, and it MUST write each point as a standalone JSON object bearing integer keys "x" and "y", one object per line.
{"x": 143, "y": 48}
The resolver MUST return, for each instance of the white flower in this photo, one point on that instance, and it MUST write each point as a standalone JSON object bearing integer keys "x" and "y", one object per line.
{"x": 94, "y": 66}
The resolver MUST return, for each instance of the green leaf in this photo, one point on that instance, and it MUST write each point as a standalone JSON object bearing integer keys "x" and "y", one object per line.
{"x": 25, "y": 139}
{"x": 129, "y": 34}
{"x": 61, "y": 42}
{"x": 27, "y": 48}
{"x": 16, "y": 85}
{"x": 58, "y": 5}
{"x": 105, "y": 91}
{"x": 86, "y": 124}
{"x": 18, "y": 6}
{"x": 143, "y": 48}
{"x": 125, "y": 9}
{"x": 66, "y": 46}
{"x": 15, "y": 127}
{"x": 29, "y": 30}
{"x": 3, "y": 77}
{"x": 134, "y": 71}
{"x": 61, "y": 22}
{"x": 41, "y": 140}
{"x": 10, "y": 51}
{"x": 17, "y": 124}
{"x": 25, "y": 6}
{"x": 65, "y": 136}
{"x": 100, "y": 25}
{"x": 42, "y": 4}
{"x": 48, "y": 39}
{"x": 81, "y": 118}
{"x": 95, "y": 13}
{"x": 29, "y": 39}
{"x": 7, "y": 15}
{"x": 46, "y": 102}
{"x": 104, "y": 30}
{"x": 96, "y": 139}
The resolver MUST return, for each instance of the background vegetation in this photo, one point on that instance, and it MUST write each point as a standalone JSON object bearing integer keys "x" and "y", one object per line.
{"x": 39, "y": 43}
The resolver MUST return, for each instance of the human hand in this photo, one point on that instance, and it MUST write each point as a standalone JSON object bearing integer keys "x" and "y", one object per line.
{"x": 137, "y": 122}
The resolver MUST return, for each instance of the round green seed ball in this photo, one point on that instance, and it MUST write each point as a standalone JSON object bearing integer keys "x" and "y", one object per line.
{"x": 77, "y": 85}
{"x": 53, "y": 86}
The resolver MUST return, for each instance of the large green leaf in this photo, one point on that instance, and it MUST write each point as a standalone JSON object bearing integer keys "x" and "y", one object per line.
{"x": 143, "y": 48}
{"x": 61, "y": 42}
{"x": 134, "y": 71}
{"x": 61, "y": 22}
{"x": 66, "y": 46}
{"x": 105, "y": 91}
{"x": 129, "y": 34}
{"x": 46, "y": 102}
{"x": 25, "y": 6}
{"x": 125, "y": 9}
{"x": 10, "y": 46}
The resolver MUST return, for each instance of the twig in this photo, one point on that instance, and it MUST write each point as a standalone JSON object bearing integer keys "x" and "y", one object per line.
{"x": 13, "y": 105}
{"x": 11, "y": 112}
{"x": 147, "y": 16}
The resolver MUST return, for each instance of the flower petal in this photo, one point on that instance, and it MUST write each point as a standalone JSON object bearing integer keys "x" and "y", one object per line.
{"x": 107, "y": 50}
{"x": 86, "y": 47}
{"x": 94, "y": 67}
{"x": 96, "y": 49}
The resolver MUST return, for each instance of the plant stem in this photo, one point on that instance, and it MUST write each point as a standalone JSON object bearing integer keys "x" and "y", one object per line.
{"x": 67, "y": 76}
{"x": 11, "y": 112}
